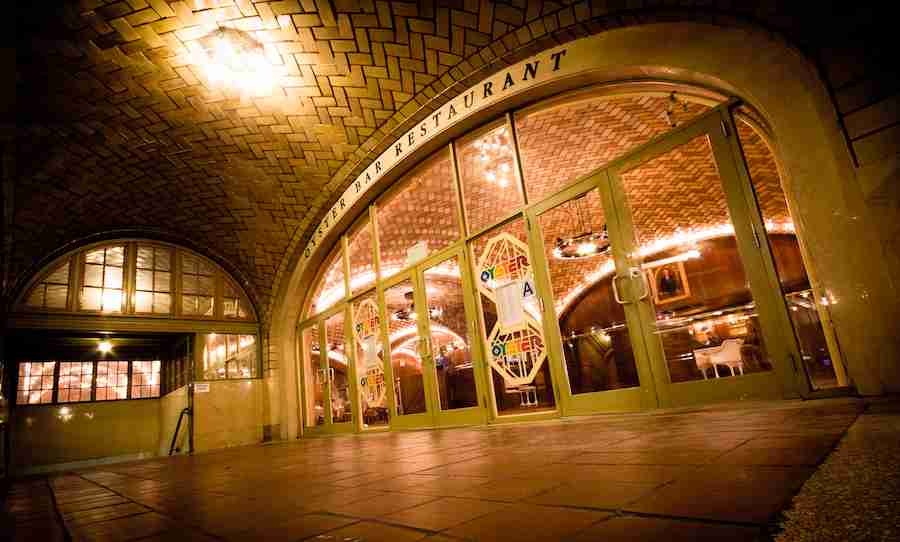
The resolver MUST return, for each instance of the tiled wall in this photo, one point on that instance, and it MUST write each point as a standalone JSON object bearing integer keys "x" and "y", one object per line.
{"x": 46, "y": 434}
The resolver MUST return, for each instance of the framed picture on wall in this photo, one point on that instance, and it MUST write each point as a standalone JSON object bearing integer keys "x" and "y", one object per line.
{"x": 669, "y": 283}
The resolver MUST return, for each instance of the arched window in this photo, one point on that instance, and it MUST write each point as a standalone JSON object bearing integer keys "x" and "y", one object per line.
{"x": 138, "y": 277}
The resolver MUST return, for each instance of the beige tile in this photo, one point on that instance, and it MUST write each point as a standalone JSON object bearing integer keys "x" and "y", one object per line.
{"x": 369, "y": 531}
{"x": 610, "y": 495}
{"x": 527, "y": 523}
{"x": 444, "y": 513}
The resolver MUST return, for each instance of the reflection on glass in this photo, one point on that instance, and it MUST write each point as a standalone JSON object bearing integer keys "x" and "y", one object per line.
{"x": 706, "y": 317}
{"x": 330, "y": 287}
{"x": 406, "y": 364}
{"x": 198, "y": 284}
{"x": 822, "y": 363}
{"x": 560, "y": 142}
{"x": 103, "y": 270}
{"x": 512, "y": 320}
{"x": 369, "y": 362}
{"x": 338, "y": 370}
{"x": 419, "y": 217}
{"x": 153, "y": 280}
{"x": 228, "y": 356}
{"x": 315, "y": 377}
{"x": 112, "y": 380}
{"x": 144, "y": 379}
{"x": 487, "y": 170}
{"x": 51, "y": 293}
{"x": 450, "y": 342}
{"x": 596, "y": 344}
{"x": 75, "y": 381}
{"x": 35, "y": 382}
{"x": 361, "y": 249}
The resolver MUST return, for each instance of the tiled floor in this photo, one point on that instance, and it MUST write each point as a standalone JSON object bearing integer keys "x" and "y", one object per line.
{"x": 717, "y": 473}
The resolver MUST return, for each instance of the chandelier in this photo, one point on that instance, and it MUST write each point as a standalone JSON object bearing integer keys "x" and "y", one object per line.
{"x": 493, "y": 152}
{"x": 586, "y": 244}
{"x": 408, "y": 313}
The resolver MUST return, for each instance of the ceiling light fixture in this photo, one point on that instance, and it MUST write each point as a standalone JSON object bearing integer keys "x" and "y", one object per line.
{"x": 409, "y": 314}
{"x": 233, "y": 58}
{"x": 583, "y": 245}
{"x": 104, "y": 347}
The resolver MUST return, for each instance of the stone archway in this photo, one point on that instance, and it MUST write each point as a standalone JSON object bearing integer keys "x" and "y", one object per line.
{"x": 785, "y": 88}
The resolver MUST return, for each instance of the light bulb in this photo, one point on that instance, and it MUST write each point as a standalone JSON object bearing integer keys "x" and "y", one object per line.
{"x": 104, "y": 347}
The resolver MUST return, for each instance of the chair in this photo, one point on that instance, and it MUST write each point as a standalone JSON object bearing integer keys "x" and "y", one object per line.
{"x": 728, "y": 353}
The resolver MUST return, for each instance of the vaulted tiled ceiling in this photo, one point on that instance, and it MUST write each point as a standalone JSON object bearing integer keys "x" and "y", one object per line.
{"x": 117, "y": 132}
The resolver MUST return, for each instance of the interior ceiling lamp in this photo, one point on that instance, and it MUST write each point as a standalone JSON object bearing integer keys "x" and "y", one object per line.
{"x": 409, "y": 313}
{"x": 232, "y": 57}
{"x": 583, "y": 245}
{"x": 494, "y": 148}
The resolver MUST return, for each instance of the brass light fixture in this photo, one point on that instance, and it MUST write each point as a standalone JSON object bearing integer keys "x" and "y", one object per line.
{"x": 586, "y": 244}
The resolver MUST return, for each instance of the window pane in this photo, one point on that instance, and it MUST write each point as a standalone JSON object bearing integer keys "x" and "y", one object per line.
{"x": 561, "y": 142}
{"x": 517, "y": 354}
{"x": 112, "y": 277}
{"x": 90, "y": 299}
{"x": 362, "y": 264}
{"x": 338, "y": 368}
{"x": 112, "y": 380}
{"x": 214, "y": 355}
{"x": 56, "y": 296}
{"x": 330, "y": 286}
{"x": 423, "y": 209}
{"x": 487, "y": 171}
{"x": 406, "y": 363}
{"x": 163, "y": 259}
{"x": 145, "y": 258}
{"x": 115, "y": 256}
{"x": 94, "y": 256}
{"x": 112, "y": 300}
{"x": 93, "y": 275}
{"x": 144, "y": 279}
{"x": 596, "y": 343}
{"x": 807, "y": 308}
{"x": 75, "y": 381}
{"x": 143, "y": 302}
{"x": 144, "y": 379}
{"x": 59, "y": 276}
{"x": 35, "y": 382}
{"x": 706, "y": 317}
{"x": 162, "y": 303}
{"x": 161, "y": 281}
{"x": 369, "y": 361}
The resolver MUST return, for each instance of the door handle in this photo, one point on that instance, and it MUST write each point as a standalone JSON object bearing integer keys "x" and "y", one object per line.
{"x": 636, "y": 273}
{"x": 615, "y": 290}
{"x": 331, "y": 374}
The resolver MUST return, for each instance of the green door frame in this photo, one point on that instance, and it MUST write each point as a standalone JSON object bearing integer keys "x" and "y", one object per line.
{"x": 434, "y": 416}
{"x": 718, "y": 127}
{"x": 621, "y": 400}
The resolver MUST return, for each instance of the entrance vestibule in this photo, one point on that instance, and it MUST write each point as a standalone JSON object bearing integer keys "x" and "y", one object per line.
{"x": 589, "y": 253}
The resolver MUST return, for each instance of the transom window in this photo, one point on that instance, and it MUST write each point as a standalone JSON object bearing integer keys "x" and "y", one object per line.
{"x": 139, "y": 277}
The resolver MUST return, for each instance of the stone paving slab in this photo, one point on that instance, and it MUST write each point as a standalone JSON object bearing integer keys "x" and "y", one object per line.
{"x": 712, "y": 473}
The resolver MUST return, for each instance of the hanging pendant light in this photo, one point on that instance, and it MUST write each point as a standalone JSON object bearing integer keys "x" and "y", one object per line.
{"x": 586, "y": 244}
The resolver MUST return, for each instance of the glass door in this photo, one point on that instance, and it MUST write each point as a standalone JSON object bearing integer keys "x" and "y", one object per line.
{"x": 600, "y": 368}
{"x": 451, "y": 354}
{"x": 412, "y": 398}
{"x": 371, "y": 383}
{"x": 689, "y": 265}
{"x": 327, "y": 374}
{"x": 433, "y": 357}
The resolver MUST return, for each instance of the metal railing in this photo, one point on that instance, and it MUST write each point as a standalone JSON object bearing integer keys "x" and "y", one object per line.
{"x": 178, "y": 428}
